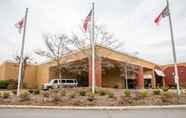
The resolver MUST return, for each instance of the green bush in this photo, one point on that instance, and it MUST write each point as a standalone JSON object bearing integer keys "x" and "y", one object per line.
{"x": 73, "y": 95}
{"x": 4, "y": 84}
{"x": 110, "y": 95}
{"x": 31, "y": 91}
{"x": 24, "y": 95}
{"x": 165, "y": 89}
{"x": 102, "y": 92}
{"x": 14, "y": 92}
{"x": 156, "y": 92}
{"x": 91, "y": 97}
{"x": 127, "y": 93}
{"x": 115, "y": 86}
{"x": 5, "y": 95}
{"x": 167, "y": 94}
{"x": 82, "y": 93}
{"x": 144, "y": 93}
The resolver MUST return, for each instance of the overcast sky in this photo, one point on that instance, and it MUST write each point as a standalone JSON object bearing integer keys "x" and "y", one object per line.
{"x": 131, "y": 21}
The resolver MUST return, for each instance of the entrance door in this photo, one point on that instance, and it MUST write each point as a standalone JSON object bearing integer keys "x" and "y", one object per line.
{"x": 131, "y": 83}
{"x": 83, "y": 79}
{"x": 147, "y": 83}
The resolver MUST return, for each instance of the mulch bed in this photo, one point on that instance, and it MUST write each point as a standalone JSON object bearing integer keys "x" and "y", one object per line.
{"x": 73, "y": 98}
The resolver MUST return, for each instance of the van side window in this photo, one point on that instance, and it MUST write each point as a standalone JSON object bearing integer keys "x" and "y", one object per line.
{"x": 63, "y": 81}
{"x": 69, "y": 81}
{"x": 55, "y": 81}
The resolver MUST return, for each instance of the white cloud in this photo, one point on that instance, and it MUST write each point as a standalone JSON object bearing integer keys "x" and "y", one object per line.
{"x": 130, "y": 21}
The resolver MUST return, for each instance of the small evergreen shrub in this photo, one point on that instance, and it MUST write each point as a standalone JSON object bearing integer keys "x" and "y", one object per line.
{"x": 30, "y": 91}
{"x": 110, "y": 95}
{"x": 91, "y": 97}
{"x": 144, "y": 93}
{"x": 102, "y": 93}
{"x": 73, "y": 95}
{"x": 165, "y": 89}
{"x": 82, "y": 93}
{"x": 24, "y": 95}
{"x": 115, "y": 86}
{"x": 156, "y": 92}
{"x": 127, "y": 93}
{"x": 14, "y": 92}
{"x": 4, "y": 84}
{"x": 5, "y": 95}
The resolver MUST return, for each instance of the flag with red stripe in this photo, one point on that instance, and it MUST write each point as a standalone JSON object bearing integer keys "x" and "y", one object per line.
{"x": 87, "y": 20}
{"x": 163, "y": 14}
{"x": 20, "y": 24}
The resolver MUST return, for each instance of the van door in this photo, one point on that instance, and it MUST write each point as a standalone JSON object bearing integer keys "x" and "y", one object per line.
{"x": 55, "y": 83}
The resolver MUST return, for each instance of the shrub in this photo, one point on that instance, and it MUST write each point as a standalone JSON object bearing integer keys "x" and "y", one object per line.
{"x": 115, "y": 86}
{"x": 82, "y": 93}
{"x": 91, "y": 97}
{"x": 127, "y": 93}
{"x": 30, "y": 91}
{"x": 4, "y": 84}
{"x": 144, "y": 93}
{"x": 24, "y": 95}
{"x": 14, "y": 92}
{"x": 110, "y": 95}
{"x": 165, "y": 89}
{"x": 167, "y": 94}
{"x": 72, "y": 95}
{"x": 5, "y": 95}
{"x": 156, "y": 92}
{"x": 102, "y": 92}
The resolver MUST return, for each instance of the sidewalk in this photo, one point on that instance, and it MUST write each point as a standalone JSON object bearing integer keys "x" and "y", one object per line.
{"x": 94, "y": 107}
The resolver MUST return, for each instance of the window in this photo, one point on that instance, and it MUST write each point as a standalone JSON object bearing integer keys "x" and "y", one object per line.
{"x": 69, "y": 81}
{"x": 55, "y": 81}
{"x": 63, "y": 81}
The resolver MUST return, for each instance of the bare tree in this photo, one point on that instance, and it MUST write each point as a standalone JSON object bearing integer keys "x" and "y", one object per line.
{"x": 57, "y": 46}
{"x": 102, "y": 38}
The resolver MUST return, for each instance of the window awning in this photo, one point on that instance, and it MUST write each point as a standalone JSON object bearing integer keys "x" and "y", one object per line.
{"x": 159, "y": 73}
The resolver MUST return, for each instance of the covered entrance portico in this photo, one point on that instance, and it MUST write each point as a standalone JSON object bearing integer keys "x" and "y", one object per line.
{"x": 113, "y": 70}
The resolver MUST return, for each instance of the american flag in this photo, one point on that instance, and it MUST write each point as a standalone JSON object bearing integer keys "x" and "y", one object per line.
{"x": 86, "y": 21}
{"x": 19, "y": 25}
{"x": 163, "y": 14}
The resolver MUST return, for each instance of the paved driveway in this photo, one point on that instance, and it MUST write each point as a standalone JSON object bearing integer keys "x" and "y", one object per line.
{"x": 51, "y": 113}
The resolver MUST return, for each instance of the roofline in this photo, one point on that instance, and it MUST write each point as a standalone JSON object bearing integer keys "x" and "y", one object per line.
{"x": 122, "y": 53}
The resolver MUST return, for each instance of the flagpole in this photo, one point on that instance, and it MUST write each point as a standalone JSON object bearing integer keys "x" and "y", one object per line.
{"x": 93, "y": 51}
{"x": 21, "y": 54}
{"x": 174, "y": 52}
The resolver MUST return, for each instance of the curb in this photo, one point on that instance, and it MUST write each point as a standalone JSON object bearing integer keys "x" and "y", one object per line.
{"x": 94, "y": 107}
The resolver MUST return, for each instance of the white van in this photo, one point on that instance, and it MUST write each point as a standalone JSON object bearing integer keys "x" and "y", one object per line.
{"x": 60, "y": 83}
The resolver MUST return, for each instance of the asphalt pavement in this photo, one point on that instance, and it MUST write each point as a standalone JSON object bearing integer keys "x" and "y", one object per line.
{"x": 56, "y": 113}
